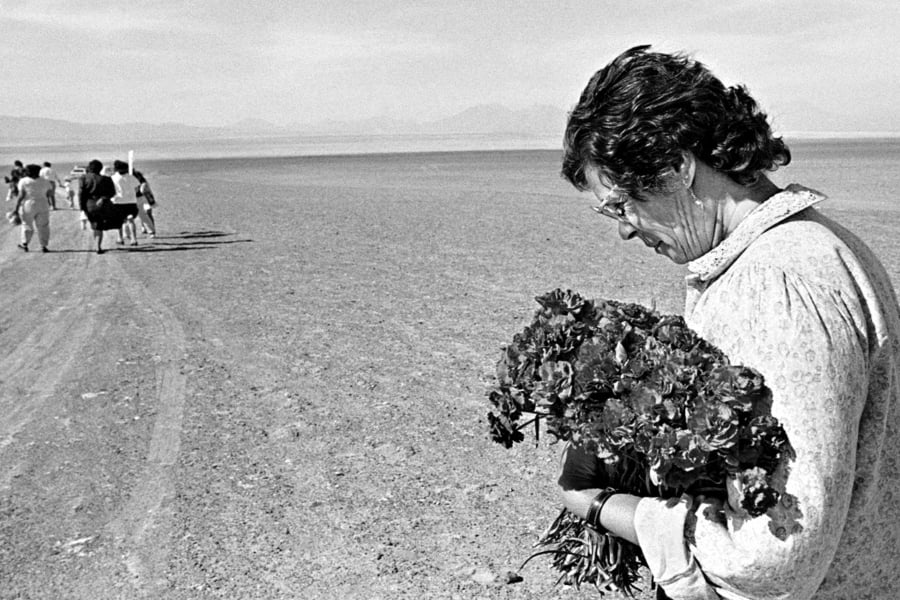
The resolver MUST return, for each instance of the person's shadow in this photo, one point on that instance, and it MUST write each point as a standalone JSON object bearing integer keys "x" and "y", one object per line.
{"x": 179, "y": 242}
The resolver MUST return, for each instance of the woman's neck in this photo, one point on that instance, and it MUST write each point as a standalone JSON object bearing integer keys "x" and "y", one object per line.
{"x": 736, "y": 201}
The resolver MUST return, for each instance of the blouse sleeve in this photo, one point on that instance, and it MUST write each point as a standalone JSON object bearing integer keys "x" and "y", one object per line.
{"x": 808, "y": 338}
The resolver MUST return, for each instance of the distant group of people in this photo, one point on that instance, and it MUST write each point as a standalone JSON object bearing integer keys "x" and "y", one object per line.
{"x": 114, "y": 202}
{"x": 108, "y": 201}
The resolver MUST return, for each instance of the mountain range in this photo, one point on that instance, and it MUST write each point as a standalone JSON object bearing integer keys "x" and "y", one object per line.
{"x": 539, "y": 120}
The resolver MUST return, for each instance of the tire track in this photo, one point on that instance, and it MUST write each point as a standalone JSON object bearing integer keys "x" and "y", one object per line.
{"x": 143, "y": 526}
{"x": 53, "y": 306}
{"x": 47, "y": 332}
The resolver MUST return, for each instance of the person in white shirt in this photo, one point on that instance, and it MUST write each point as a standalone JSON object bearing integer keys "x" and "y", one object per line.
{"x": 50, "y": 175}
{"x": 125, "y": 201}
{"x": 33, "y": 209}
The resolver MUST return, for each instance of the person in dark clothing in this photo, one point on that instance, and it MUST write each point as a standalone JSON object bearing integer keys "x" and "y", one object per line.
{"x": 17, "y": 173}
{"x": 95, "y": 200}
{"x": 146, "y": 202}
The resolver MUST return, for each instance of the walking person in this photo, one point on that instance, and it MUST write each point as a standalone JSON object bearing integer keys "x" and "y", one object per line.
{"x": 12, "y": 180}
{"x": 126, "y": 201}
{"x": 33, "y": 207}
{"x": 50, "y": 175}
{"x": 95, "y": 202}
{"x": 146, "y": 202}
{"x": 70, "y": 193}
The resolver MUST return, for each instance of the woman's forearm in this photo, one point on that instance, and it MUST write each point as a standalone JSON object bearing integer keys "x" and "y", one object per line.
{"x": 617, "y": 515}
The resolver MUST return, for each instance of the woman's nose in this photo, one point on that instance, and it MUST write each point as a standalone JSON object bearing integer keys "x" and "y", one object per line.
{"x": 626, "y": 230}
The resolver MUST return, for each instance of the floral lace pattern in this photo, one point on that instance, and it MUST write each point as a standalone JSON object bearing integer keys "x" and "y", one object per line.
{"x": 806, "y": 303}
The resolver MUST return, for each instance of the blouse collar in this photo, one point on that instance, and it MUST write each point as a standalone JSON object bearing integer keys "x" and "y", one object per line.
{"x": 787, "y": 203}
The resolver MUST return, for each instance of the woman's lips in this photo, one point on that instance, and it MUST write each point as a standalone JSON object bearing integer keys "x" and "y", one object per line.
{"x": 655, "y": 245}
{"x": 650, "y": 243}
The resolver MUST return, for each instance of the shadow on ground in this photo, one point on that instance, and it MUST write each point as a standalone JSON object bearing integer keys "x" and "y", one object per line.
{"x": 176, "y": 247}
{"x": 195, "y": 234}
{"x": 172, "y": 243}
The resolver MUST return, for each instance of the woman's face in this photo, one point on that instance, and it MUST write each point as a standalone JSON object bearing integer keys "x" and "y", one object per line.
{"x": 672, "y": 223}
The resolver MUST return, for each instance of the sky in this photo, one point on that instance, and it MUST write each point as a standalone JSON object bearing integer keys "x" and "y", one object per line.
{"x": 820, "y": 65}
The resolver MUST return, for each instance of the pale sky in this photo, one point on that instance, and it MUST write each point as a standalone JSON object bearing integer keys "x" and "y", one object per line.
{"x": 818, "y": 65}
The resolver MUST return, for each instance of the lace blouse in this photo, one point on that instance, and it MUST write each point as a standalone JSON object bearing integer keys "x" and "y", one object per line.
{"x": 806, "y": 303}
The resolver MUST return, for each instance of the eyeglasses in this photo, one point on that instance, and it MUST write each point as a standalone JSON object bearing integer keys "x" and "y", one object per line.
{"x": 613, "y": 204}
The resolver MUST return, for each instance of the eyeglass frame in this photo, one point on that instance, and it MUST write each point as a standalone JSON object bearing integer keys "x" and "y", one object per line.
{"x": 613, "y": 204}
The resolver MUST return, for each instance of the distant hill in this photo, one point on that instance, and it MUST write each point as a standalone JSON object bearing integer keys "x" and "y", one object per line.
{"x": 537, "y": 120}
{"x": 485, "y": 119}
{"x": 34, "y": 130}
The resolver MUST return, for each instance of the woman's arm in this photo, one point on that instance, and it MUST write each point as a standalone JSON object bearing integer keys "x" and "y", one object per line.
{"x": 20, "y": 198}
{"x": 578, "y": 480}
{"x": 82, "y": 194}
{"x": 806, "y": 336}
{"x": 807, "y": 339}
{"x": 626, "y": 516}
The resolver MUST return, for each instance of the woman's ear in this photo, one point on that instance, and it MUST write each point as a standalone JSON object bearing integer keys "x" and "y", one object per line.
{"x": 687, "y": 169}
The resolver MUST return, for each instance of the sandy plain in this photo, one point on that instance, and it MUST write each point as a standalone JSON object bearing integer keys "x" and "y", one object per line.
{"x": 283, "y": 394}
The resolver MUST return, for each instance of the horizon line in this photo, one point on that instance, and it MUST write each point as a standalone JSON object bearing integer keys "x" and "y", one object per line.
{"x": 309, "y": 128}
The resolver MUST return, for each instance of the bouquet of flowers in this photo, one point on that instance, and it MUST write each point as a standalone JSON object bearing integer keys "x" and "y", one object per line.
{"x": 664, "y": 410}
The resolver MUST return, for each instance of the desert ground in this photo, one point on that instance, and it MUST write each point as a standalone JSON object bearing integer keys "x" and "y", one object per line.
{"x": 282, "y": 395}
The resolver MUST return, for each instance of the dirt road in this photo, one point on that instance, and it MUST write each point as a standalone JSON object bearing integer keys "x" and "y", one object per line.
{"x": 93, "y": 371}
{"x": 282, "y": 409}
{"x": 283, "y": 395}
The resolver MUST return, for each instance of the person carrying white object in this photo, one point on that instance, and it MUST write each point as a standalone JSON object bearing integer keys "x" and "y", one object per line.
{"x": 125, "y": 201}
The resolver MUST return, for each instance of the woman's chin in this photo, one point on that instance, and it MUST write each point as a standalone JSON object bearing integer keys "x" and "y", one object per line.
{"x": 674, "y": 254}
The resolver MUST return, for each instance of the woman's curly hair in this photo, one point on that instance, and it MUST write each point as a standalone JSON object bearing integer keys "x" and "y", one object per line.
{"x": 639, "y": 114}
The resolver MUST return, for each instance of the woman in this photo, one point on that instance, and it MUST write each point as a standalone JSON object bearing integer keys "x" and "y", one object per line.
{"x": 146, "y": 202}
{"x": 126, "y": 201}
{"x": 95, "y": 201}
{"x": 50, "y": 175}
{"x": 679, "y": 161}
{"x": 33, "y": 207}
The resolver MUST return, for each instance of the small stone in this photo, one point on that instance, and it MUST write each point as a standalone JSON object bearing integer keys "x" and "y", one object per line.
{"x": 465, "y": 571}
{"x": 483, "y": 577}
{"x": 492, "y": 496}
